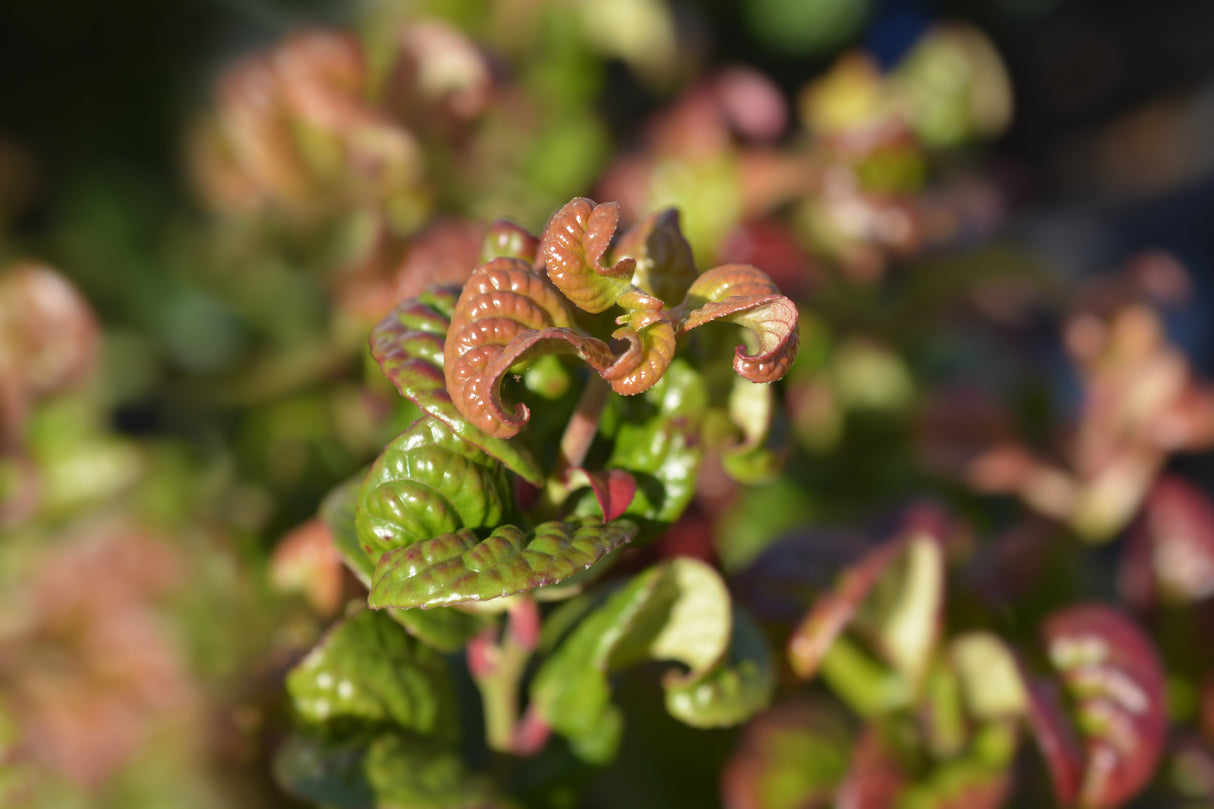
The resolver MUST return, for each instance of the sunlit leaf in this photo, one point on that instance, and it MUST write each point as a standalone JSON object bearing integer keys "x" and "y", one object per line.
{"x": 458, "y": 567}
{"x": 508, "y": 240}
{"x": 731, "y": 692}
{"x": 427, "y": 483}
{"x": 678, "y": 611}
{"x": 409, "y": 345}
{"x": 665, "y": 267}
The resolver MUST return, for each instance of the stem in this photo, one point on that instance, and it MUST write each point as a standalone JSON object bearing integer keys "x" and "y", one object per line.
{"x": 498, "y": 670}
{"x": 578, "y": 436}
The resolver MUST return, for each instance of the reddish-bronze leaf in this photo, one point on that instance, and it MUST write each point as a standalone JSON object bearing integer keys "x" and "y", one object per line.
{"x": 741, "y": 294}
{"x": 613, "y": 488}
{"x": 1170, "y": 553}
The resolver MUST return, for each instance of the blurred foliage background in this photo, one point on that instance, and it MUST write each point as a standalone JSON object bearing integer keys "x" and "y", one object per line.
{"x": 187, "y": 399}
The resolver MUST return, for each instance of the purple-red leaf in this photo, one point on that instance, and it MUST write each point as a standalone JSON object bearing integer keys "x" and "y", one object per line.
{"x": 1170, "y": 553}
{"x": 613, "y": 488}
{"x": 1115, "y": 684}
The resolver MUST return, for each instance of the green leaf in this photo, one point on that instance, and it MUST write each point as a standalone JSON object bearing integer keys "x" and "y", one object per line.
{"x": 408, "y": 344}
{"x": 678, "y": 611}
{"x": 389, "y": 771}
{"x": 731, "y": 692}
{"x": 655, "y": 438}
{"x": 368, "y": 673}
{"x": 446, "y": 629}
{"x": 427, "y": 483}
{"x": 338, "y": 511}
{"x": 458, "y": 567}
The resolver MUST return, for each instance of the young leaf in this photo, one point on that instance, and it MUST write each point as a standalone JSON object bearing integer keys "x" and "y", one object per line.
{"x": 741, "y": 294}
{"x": 895, "y": 593}
{"x": 408, "y": 343}
{"x": 731, "y": 692}
{"x": 665, "y": 267}
{"x": 457, "y": 567}
{"x": 338, "y": 511}
{"x": 573, "y": 246}
{"x": 427, "y": 483}
{"x": 508, "y": 240}
{"x": 367, "y": 672}
{"x": 1114, "y": 680}
{"x": 678, "y": 611}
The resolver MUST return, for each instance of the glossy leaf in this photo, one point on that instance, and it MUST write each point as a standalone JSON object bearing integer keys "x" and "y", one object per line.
{"x": 731, "y": 692}
{"x": 408, "y": 343}
{"x": 508, "y": 240}
{"x": 894, "y": 593}
{"x": 458, "y": 567}
{"x": 678, "y": 611}
{"x": 665, "y": 267}
{"x": 367, "y": 672}
{"x": 613, "y": 489}
{"x": 1113, "y": 679}
{"x": 741, "y": 294}
{"x": 428, "y": 483}
{"x": 574, "y": 245}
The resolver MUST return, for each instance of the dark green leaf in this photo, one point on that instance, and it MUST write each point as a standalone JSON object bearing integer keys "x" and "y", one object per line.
{"x": 368, "y": 673}
{"x": 338, "y": 511}
{"x": 427, "y": 483}
{"x": 458, "y": 567}
{"x": 446, "y": 629}
{"x": 408, "y": 345}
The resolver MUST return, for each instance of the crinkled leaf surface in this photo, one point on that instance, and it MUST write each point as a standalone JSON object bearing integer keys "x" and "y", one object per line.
{"x": 895, "y": 594}
{"x": 427, "y": 483}
{"x": 459, "y": 567}
{"x": 678, "y": 611}
{"x": 367, "y": 672}
{"x": 408, "y": 343}
{"x": 1115, "y": 688}
{"x": 665, "y": 267}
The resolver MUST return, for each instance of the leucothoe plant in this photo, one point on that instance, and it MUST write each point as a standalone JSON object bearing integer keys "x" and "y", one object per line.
{"x": 566, "y": 398}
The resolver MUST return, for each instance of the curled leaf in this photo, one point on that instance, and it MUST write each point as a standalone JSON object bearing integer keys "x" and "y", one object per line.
{"x": 741, "y": 294}
{"x": 665, "y": 267}
{"x": 508, "y": 240}
{"x": 507, "y": 313}
{"x": 428, "y": 483}
{"x": 648, "y": 356}
{"x": 458, "y": 567}
{"x": 573, "y": 247}
{"x": 408, "y": 343}
{"x": 731, "y": 692}
{"x": 895, "y": 593}
{"x": 1113, "y": 679}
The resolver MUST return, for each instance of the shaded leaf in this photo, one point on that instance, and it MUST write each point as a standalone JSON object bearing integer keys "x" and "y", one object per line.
{"x": 665, "y": 267}
{"x": 1113, "y": 679}
{"x": 338, "y": 511}
{"x": 368, "y": 673}
{"x": 446, "y": 629}
{"x": 408, "y": 343}
{"x": 790, "y": 757}
{"x": 508, "y": 240}
{"x": 458, "y": 567}
{"x": 426, "y": 483}
{"x": 678, "y": 611}
{"x": 1170, "y": 552}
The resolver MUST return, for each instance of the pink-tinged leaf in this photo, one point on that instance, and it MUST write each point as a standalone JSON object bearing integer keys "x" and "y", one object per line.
{"x": 875, "y": 778}
{"x": 1170, "y": 554}
{"x": 1056, "y": 736}
{"x": 573, "y": 247}
{"x": 508, "y": 240}
{"x": 894, "y": 593}
{"x": 665, "y": 267}
{"x": 613, "y": 488}
{"x": 1113, "y": 678}
{"x": 741, "y": 294}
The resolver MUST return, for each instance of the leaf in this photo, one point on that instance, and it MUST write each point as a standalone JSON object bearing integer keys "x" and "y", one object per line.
{"x": 1115, "y": 684}
{"x": 895, "y": 593}
{"x": 368, "y": 673}
{"x": 388, "y": 771}
{"x": 741, "y": 294}
{"x": 338, "y": 512}
{"x": 508, "y": 240}
{"x": 458, "y": 567}
{"x": 445, "y": 629}
{"x": 731, "y": 692}
{"x": 650, "y": 349}
{"x": 655, "y": 439}
{"x": 427, "y": 483}
{"x": 790, "y": 757}
{"x": 665, "y": 267}
{"x": 989, "y": 675}
{"x": 573, "y": 246}
{"x": 678, "y": 611}
{"x": 1170, "y": 551}
{"x": 408, "y": 343}
{"x": 613, "y": 489}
